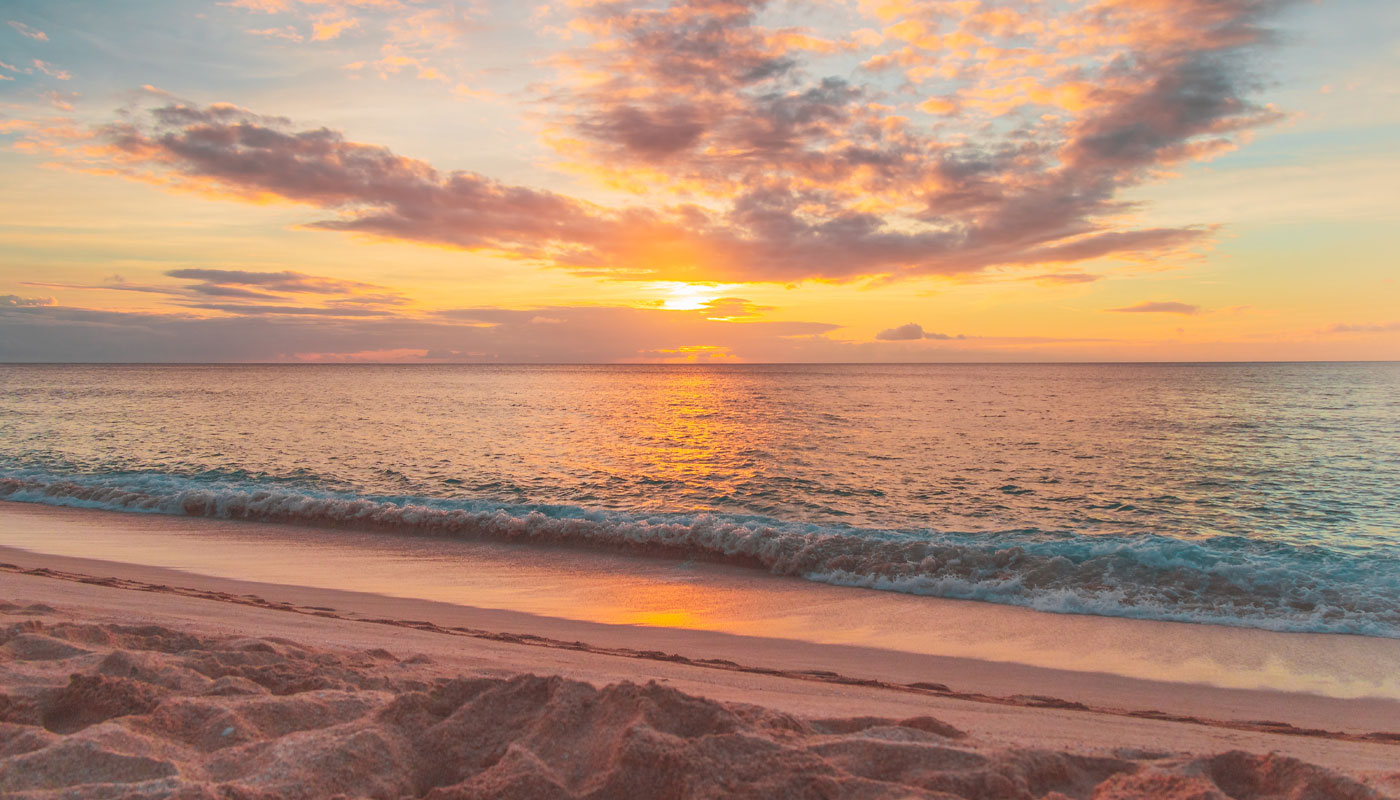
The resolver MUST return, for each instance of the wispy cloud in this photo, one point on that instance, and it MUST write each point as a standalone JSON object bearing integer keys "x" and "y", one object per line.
{"x": 248, "y": 309}
{"x": 1377, "y": 327}
{"x": 32, "y": 33}
{"x": 287, "y": 33}
{"x": 286, "y": 281}
{"x": 259, "y": 293}
{"x": 52, "y": 71}
{"x": 1065, "y": 278}
{"x": 1158, "y": 307}
{"x": 414, "y": 38}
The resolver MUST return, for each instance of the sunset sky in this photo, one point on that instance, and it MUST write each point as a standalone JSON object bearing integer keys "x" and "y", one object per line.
{"x": 800, "y": 180}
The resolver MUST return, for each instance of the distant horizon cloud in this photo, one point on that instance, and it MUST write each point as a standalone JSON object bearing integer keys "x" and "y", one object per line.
{"x": 1158, "y": 307}
{"x": 1381, "y": 327}
{"x": 541, "y": 334}
{"x": 249, "y": 287}
{"x": 259, "y": 332}
{"x": 913, "y": 331}
{"x": 15, "y": 301}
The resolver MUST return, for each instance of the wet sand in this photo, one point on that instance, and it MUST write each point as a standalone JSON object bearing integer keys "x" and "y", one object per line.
{"x": 529, "y": 586}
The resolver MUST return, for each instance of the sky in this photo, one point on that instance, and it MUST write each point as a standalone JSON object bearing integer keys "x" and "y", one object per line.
{"x": 706, "y": 181}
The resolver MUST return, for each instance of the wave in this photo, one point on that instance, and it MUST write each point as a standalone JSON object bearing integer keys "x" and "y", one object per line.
{"x": 1226, "y": 580}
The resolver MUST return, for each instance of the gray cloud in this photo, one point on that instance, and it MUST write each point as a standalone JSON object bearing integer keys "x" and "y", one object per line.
{"x": 341, "y": 297}
{"x": 301, "y": 311}
{"x": 114, "y": 286}
{"x": 276, "y": 281}
{"x": 913, "y": 331}
{"x": 15, "y": 301}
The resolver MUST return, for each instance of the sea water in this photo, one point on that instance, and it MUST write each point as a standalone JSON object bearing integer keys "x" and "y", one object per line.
{"x": 1256, "y": 495}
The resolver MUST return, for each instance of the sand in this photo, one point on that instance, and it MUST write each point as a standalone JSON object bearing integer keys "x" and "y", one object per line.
{"x": 118, "y": 685}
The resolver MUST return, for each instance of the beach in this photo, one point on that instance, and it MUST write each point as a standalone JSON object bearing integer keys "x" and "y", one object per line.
{"x": 123, "y": 679}
{"x": 699, "y": 399}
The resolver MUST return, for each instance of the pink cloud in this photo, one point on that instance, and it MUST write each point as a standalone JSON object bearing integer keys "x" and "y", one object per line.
{"x": 28, "y": 32}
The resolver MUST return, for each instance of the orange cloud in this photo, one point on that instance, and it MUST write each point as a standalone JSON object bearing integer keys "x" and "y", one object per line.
{"x": 327, "y": 29}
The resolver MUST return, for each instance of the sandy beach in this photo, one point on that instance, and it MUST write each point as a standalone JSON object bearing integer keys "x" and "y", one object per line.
{"x": 124, "y": 680}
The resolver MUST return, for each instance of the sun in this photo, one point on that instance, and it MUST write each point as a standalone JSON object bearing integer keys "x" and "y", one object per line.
{"x": 690, "y": 296}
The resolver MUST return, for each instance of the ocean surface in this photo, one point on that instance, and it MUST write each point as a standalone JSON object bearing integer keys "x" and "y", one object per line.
{"x": 1256, "y": 495}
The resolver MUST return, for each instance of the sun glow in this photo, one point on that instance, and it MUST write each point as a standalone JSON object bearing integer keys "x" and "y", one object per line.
{"x": 691, "y": 296}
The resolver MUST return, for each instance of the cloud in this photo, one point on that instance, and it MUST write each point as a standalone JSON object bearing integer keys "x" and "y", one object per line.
{"x": 700, "y": 97}
{"x": 15, "y": 301}
{"x": 276, "y": 281}
{"x": 32, "y": 33}
{"x": 1158, "y": 307}
{"x": 547, "y": 334}
{"x": 265, "y": 292}
{"x": 52, "y": 71}
{"x": 1382, "y": 327}
{"x": 233, "y": 151}
{"x": 412, "y": 34}
{"x": 733, "y": 308}
{"x": 327, "y": 29}
{"x": 913, "y": 331}
{"x": 752, "y": 163}
{"x": 112, "y": 286}
{"x": 902, "y": 333}
{"x": 544, "y": 334}
{"x": 301, "y": 311}
{"x": 63, "y": 101}
{"x": 1065, "y": 278}
{"x": 287, "y": 32}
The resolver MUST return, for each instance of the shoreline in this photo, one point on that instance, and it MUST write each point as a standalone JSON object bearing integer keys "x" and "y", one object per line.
{"x": 558, "y": 593}
{"x": 1231, "y": 580}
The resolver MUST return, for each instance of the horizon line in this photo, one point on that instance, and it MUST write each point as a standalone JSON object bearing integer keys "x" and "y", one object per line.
{"x": 666, "y": 364}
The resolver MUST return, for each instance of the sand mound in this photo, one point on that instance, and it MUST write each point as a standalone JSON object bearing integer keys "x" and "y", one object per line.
{"x": 99, "y": 711}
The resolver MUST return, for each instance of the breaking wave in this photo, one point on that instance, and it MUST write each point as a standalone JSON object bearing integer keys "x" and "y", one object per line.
{"x": 1227, "y": 580}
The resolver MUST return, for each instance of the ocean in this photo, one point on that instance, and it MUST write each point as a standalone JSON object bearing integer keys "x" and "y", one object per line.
{"x": 1254, "y": 495}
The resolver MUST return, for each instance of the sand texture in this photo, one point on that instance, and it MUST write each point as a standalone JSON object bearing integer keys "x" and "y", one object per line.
{"x": 101, "y": 709}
